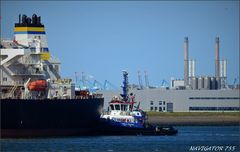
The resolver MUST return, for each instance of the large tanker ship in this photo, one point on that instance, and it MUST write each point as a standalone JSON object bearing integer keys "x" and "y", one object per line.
{"x": 35, "y": 100}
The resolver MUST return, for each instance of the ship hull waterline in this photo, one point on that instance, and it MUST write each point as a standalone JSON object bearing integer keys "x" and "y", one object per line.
{"x": 55, "y": 117}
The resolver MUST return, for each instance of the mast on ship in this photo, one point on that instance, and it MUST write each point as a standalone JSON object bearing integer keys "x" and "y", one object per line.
{"x": 125, "y": 86}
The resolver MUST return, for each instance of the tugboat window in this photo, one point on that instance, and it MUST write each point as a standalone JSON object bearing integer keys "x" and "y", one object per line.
{"x": 112, "y": 107}
{"x": 122, "y": 107}
{"x": 125, "y": 107}
{"x": 117, "y": 107}
{"x": 130, "y": 106}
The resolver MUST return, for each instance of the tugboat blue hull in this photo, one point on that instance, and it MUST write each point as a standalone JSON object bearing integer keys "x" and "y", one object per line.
{"x": 107, "y": 129}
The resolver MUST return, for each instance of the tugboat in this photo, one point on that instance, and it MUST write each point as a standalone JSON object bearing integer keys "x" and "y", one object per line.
{"x": 123, "y": 118}
{"x": 121, "y": 114}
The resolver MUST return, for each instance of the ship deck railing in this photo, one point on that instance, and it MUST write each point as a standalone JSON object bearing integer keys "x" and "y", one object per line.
{"x": 94, "y": 96}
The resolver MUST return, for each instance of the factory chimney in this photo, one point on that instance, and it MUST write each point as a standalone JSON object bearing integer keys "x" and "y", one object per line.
{"x": 217, "y": 67}
{"x": 186, "y": 68}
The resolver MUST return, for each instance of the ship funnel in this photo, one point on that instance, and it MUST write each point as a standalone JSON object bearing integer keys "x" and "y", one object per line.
{"x": 30, "y": 32}
{"x": 186, "y": 68}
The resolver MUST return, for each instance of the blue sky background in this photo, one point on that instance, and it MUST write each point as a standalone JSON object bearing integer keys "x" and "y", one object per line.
{"x": 104, "y": 37}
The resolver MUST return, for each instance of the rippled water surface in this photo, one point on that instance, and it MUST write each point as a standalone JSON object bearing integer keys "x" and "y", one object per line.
{"x": 187, "y": 139}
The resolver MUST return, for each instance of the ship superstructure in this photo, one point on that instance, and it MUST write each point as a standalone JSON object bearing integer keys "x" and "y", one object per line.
{"x": 27, "y": 58}
{"x": 35, "y": 100}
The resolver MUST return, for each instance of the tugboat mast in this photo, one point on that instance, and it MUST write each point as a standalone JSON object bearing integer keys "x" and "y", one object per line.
{"x": 125, "y": 85}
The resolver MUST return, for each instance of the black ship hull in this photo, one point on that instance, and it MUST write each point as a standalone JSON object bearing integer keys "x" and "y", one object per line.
{"x": 55, "y": 117}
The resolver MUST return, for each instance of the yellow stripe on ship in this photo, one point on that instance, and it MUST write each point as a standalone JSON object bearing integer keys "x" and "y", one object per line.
{"x": 25, "y": 29}
{"x": 45, "y": 56}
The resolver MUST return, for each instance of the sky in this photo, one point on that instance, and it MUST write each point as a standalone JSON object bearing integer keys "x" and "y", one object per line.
{"x": 102, "y": 38}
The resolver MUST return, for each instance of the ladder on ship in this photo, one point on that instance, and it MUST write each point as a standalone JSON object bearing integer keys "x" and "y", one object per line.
{"x": 11, "y": 93}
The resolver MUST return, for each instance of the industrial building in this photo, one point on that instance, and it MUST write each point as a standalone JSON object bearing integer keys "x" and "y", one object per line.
{"x": 193, "y": 94}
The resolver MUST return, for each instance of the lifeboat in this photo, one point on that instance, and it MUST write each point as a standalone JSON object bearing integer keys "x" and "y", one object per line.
{"x": 38, "y": 85}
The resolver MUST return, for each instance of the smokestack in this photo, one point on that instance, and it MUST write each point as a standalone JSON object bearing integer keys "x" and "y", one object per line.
{"x": 19, "y": 19}
{"x": 192, "y": 68}
{"x": 217, "y": 66}
{"x": 186, "y": 68}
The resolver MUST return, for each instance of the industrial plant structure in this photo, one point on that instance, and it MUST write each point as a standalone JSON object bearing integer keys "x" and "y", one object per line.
{"x": 193, "y": 94}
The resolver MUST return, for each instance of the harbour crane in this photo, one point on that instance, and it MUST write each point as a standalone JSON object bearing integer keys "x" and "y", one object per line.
{"x": 140, "y": 80}
{"x": 164, "y": 83}
{"x": 97, "y": 85}
{"x": 236, "y": 81}
{"x": 107, "y": 84}
{"x": 146, "y": 79}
